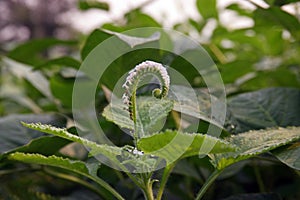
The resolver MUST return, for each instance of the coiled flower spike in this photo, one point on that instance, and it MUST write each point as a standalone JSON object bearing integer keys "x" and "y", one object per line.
{"x": 132, "y": 82}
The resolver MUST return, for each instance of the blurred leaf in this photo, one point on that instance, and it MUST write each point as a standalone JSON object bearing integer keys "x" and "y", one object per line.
{"x": 197, "y": 25}
{"x": 138, "y": 50}
{"x": 281, "y": 77}
{"x": 30, "y": 52}
{"x": 276, "y": 16}
{"x": 289, "y": 155}
{"x": 137, "y": 19}
{"x": 231, "y": 71}
{"x": 134, "y": 19}
{"x": 271, "y": 107}
{"x": 172, "y": 145}
{"x": 253, "y": 143}
{"x": 62, "y": 61}
{"x": 62, "y": 89}
{"x": 89, "y": 4}
{"x": 95, "y": 38}
{"x": 207, "y": 9}
{"x": 37, "y": 79}
{"x": 13, "y": 134}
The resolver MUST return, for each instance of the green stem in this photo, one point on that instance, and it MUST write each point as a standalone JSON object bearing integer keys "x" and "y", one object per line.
{"x": 208, "y": 183}
{"x": 147, "y": 189}
{"x": 164, "y": 179}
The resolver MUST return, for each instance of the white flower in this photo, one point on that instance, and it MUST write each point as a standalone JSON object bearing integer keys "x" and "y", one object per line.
{"x": 141, "y": 70}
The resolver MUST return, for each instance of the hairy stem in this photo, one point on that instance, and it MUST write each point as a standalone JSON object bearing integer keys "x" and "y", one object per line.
{"x": 134, "y": 117}
{"x": 147, "y": 189}
{"x": 208, "y": 183}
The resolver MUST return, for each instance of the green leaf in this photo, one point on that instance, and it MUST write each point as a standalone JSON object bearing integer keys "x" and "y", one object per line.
{"x": 117, "y": 113}
{"x": 109, "y": 151}
{"x": 116, "y": 156}
{"x": 88, "y": 4}
{"x": 289, "y": 155}
{"x": 253, "y": 143}
{"x": 95, "y": 38}
{"x": 134, "y": 19}
{"x": 137, "y": 19}
{"x": 76, "y": 166}
{"x": 65, "y": 163}
{"x": 207, "y": 9}
{"x": 30, "y": 52}
{"x": 138, "y": 49}
{"x": 151, "y": 114}
{"x": 276, "y": 16}
{"x": 62, "y": 89}
{"x": 270, "y": 107}
{"x": 65, "y": 61}
{"x": 173, "y": 145}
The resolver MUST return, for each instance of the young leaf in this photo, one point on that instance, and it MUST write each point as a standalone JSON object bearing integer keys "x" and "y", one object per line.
{"x": 172, "y": 145}
{"x": 253, "y": 143}
{"x": 151, "y": 111}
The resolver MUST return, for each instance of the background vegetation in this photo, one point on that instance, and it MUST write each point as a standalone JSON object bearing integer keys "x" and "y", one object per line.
{"x": 260, "y": 65}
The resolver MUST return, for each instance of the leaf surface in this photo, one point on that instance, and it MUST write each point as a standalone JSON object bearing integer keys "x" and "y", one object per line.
{"x": 172, "y": 145}
{"x": 253, "y": 143}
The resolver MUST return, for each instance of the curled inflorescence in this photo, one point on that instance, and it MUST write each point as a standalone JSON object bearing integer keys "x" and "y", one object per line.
{"x": 140, "y": 71}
